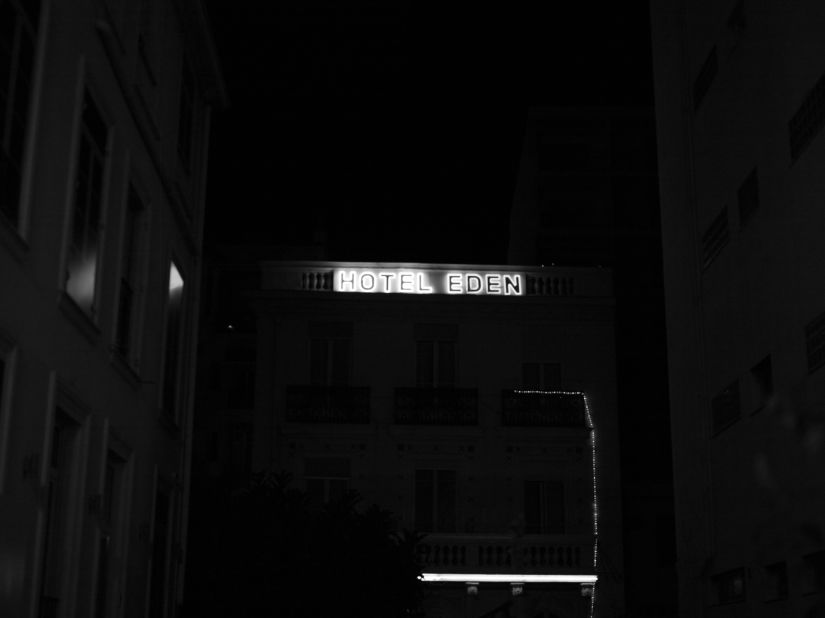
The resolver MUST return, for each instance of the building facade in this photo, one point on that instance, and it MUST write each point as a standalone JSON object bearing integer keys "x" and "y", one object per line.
{"x": 104, "y": 125}
{"x": 740, "y": 114}
{"x": 463, "y": 399}
{"x": 586, "y": 195}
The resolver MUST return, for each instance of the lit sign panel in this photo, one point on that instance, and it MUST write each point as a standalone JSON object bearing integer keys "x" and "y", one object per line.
{"x": 427, "y": 281}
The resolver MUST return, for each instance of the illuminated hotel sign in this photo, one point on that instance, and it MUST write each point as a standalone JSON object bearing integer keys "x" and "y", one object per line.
{"x": 427, "y": 281}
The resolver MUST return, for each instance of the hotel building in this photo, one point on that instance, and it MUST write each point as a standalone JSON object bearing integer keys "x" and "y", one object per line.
{"x": 740, "y": 104}
{"x": 104, "y": 124}
{"x": 475, "y": 402}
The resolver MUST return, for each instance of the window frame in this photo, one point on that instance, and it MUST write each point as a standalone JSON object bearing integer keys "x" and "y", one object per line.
{"x": 87, "y": 91}
{"x": 138, "y": 261}
{"x": 173, "y": 414}
{"x": 35, "y": 25}
{"x": 8, "y": 356}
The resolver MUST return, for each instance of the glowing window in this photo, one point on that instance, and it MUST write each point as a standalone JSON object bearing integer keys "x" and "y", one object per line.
{"x": 87, "y": 206}
{"x": 174, "y": 328}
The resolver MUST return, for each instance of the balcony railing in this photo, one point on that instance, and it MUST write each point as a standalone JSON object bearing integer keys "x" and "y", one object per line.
{"x": 436, "y": 406}
{"x": 538, "y": 409}
{"x": 490, "y": 554}
{"x": 328, "y": 404}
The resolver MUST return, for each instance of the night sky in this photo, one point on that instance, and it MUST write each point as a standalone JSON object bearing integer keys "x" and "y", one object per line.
{"x": 396, "y": 127}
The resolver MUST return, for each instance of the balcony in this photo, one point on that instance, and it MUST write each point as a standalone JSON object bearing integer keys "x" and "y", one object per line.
{"x": 557, "y": 554}
{"x": 328, "y": 404}
{"x": 538, "y": 409}
{"x": 436, "y": 406}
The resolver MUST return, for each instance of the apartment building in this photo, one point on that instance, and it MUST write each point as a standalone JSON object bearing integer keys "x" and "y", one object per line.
{"x": 740, "y": 111}
{"x": 475, "y": 402}
{"x": 104, "y": 125}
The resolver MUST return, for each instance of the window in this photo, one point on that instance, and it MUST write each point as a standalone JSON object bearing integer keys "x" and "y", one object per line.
{"x": 729, "y": 587}
{"x": 174, "y": 337}
{"x": 762, "y": 380}
{"x": 705, "y": 78}
{"x": 541, "y": 376}
{"x": 330, "y": 353}
{"x": 776, "y": 581}
{"x": 435, "y": 500}
{"x": 7, "y": 358}
{"x": 18, "y": 31}
{"x": 543, "y": 507}
{"x": 327, "y": 478}
{"x": 748, "y": 197}
{"x": 737, "y": 19}
{"x": 87, "y": 207}
{"x": 240, "y": 450}
{"x": 806, "y": 122}
{"x": 186, "y": 115}
{"x": 815, "y": 342}
{"x": 160, "y": 579}
{"x": 725, "y": 407}
{"x": 59, "y": 491}
{"x": 110, "y": 514}
{"x": 436, "y": 355}
{"x": 814, "y": 572}
{"x": 715, "y": 238}
{"x": 125, "y": 334}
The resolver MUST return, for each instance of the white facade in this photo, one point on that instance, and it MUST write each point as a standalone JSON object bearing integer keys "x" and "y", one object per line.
{"x": 103, "y": 163}
{"x": 740, "y": 108}
{"x": 443, "y": 400}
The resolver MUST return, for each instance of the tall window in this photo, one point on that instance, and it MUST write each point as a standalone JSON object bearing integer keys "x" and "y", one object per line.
{"x": 541, "y": 376}
{"x": 58, "y": 500}
{"x": 186, "y": 115}
{"x": 129, "y": 278}
{"x": 174, "y": 335}
{"x": 436, "y": 355}
{"x": 110, "y": 513}
{"x": 435, "y": 500}
{"x": 18, "y": 32}
{"x": 160, "y": 590}
{"x": 330, "y": 353}
{"x": 544, "y": 507}
{"x": 87, "y": 207}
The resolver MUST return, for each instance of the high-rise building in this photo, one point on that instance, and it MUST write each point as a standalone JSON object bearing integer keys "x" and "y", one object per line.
{"x": 477, "y": 403}
{"x": 104, "y": 125}
{"x": 740, "y": 112}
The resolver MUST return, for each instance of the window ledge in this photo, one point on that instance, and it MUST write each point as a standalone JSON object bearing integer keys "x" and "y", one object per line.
{"x": 124, "y": 368}
{"x": 78, "y": 317}
{"x": 11, "y": 238}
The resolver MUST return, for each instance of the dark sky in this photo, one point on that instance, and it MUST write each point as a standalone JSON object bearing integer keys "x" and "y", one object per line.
{"x": 398, "y": 125}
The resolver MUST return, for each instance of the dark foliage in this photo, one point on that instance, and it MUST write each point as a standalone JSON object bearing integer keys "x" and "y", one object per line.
{"x": 276, "y": 554}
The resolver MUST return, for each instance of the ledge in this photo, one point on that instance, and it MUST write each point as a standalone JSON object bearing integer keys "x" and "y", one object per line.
{"x": 11, "y": 238}
{"x": 124, "y": 368}
{"x": 78, "y": 317}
